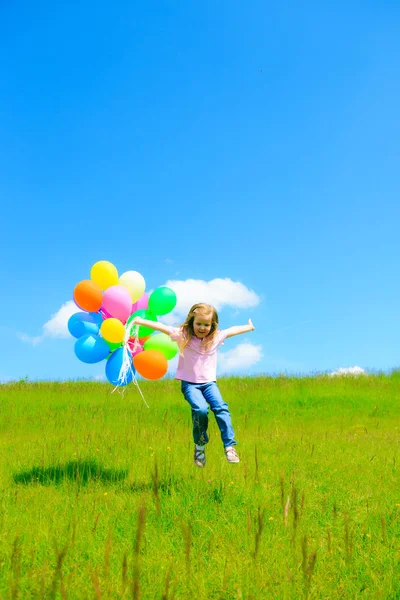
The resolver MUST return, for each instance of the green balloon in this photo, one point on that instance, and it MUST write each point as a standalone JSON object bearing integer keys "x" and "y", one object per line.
{"x": 113, "y": 346}
{"x": 163, "y": 343}
{"x": 143, "y": 314}
{"x": 162, "y": 301}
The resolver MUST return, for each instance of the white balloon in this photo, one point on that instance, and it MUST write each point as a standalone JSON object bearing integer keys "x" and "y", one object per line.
{"x": 135, "y": 284}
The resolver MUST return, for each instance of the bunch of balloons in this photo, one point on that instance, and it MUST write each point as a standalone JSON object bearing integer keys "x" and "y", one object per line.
{"x": 109, "y": 302}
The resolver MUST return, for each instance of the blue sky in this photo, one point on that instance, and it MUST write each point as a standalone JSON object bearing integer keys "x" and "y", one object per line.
{"x": 253, "y": 143}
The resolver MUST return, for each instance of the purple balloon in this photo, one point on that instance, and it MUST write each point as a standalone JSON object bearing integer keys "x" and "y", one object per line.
{"x": 142, "y": 303}
{"x": 105, "y": 314}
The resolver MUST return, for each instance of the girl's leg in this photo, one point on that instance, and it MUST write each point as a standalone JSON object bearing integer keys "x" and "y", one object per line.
{"x": 199, "y": 406}
{"x": 221, "y": 411}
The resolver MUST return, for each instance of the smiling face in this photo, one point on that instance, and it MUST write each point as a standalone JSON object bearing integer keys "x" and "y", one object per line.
{"x": 202, "y": 325}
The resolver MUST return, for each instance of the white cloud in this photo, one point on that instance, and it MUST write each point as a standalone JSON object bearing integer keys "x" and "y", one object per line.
{"x": 55, "y": 327}
{"x": 243, "y": 356}
{"x": 28, "y": 339}
{"x": 348, "y": 371}
{"x": 218, "y": 292}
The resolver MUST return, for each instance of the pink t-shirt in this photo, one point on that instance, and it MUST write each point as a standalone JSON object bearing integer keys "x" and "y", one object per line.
{"x": 197, "y": 365}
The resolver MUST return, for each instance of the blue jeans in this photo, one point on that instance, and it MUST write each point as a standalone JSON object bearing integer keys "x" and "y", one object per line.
{"x": 199, "y": 396}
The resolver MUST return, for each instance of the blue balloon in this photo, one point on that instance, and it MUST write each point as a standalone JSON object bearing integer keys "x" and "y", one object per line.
{"x": 113, "y": 368}
{"x": 82, "y": 323}
{"x": 98, "y": 317}
{"x": 91, "y": 348}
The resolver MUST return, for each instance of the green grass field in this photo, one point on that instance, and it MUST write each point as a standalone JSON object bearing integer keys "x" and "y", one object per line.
{"x": 100, "y": 498}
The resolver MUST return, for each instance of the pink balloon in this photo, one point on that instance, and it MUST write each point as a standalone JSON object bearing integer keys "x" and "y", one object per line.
{"x": 134, "y": 347}
{"x": 141, "y": 304}
{"x": 104, "y": 313}
{"x": 117, "y": 302}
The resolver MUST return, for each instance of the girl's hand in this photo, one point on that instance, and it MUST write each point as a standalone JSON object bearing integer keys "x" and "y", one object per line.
{"x": 240, "y": 329}
{"x": 136, "y": 321}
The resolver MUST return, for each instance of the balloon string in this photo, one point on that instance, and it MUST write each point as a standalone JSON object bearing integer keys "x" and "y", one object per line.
{"x": 140, "y": 391}
{"x": 127, "y": 367}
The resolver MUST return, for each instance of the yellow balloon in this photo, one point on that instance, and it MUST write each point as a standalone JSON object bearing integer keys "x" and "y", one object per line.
{"x": 104, "y": 274}
{"x": 134, "y": 283}
{"x": 112, "y": 330}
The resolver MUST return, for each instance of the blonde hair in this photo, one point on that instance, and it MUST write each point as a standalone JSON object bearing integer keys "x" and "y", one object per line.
{"x": 187, "y": 326}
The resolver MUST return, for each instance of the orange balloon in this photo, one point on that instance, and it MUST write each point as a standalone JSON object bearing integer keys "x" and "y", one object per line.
{"x": 151, "y": 364}
{"x": 88, "y": 295}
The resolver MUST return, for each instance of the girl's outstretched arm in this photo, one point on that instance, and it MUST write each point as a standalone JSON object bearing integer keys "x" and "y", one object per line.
{"x": 152, "y": 325}
{"x": 238, "y": 329}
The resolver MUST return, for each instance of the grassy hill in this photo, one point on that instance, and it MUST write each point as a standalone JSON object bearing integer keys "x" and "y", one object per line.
{"x": 100, "y": 497}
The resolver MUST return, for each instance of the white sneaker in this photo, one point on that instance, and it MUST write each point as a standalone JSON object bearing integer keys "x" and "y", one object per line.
{"x": 200, "y": 456}
{"x": 231, "y": 455}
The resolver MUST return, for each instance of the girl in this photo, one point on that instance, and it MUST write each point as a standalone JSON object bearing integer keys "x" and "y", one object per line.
{"x": 198, "y": 339}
